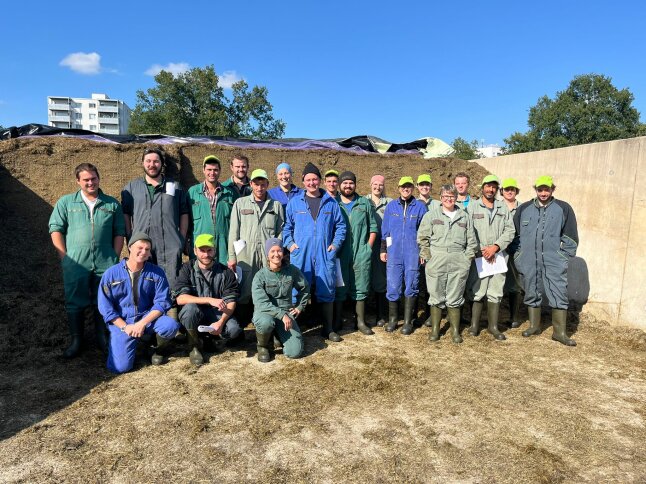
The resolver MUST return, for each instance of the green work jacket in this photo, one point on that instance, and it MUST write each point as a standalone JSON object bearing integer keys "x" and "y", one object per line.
{"x": 272, "y": 291}
{"x": 491, "y": 227}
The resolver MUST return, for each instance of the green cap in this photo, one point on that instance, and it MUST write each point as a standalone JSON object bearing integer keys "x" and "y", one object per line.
{"x": 405, "y": 180}
{"x": 544, "y": 180}
{"x": 205, "y": 240}
{"x": 425, "y": 177}
{"x": 331, "y": 172}
{"x": 510, "y": 183}
{"x": 212, "y": 159}
{"x": 259, "y": 173}
{"x": 490, "y": 179}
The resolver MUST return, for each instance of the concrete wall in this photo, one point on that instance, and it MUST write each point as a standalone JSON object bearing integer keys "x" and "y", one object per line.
{"x": 606, "y": 185}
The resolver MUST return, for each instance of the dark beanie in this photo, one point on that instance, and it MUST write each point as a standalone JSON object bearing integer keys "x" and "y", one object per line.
{"x": 310, "y": 168}
{"x": 347, "y": 175}
{"x": 137, "y": 236}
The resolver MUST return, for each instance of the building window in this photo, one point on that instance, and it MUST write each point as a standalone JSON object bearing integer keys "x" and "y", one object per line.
{"x": 78, "y": 126}
{"x": 78, "y": 116}
{"x": 93, "y": 127}
{"x": 92, "y": 116}
{"x": 92, "y": 105}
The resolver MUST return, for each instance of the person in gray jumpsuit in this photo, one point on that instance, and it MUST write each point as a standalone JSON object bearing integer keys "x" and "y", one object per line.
{"x": 158, "y": 207}
{"x": 547, "y": 240}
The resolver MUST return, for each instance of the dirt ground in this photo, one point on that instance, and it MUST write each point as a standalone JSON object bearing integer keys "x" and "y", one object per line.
{"x": 380, "y": 408}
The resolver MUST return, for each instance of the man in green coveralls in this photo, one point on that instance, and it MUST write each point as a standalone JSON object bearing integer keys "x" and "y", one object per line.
{"x": 211, "y": 203}
{"x": 87, "y": 230}
{"x": 356, "y": 251}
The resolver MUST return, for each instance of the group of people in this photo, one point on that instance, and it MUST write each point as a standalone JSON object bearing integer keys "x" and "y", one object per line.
{"x": 285, "y": 256}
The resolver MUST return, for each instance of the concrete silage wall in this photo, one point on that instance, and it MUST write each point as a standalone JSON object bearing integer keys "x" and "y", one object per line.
{"x": 606, "y": 185}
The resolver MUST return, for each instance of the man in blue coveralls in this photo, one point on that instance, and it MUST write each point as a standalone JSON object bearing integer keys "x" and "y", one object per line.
{"x": 314, "y": 230}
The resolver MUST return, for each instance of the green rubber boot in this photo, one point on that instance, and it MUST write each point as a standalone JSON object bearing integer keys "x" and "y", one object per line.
{"x": 514, "y": 309}
{"x": 327, "y": 311}
{"x": 338, "y": 316}
{"x": 534, "y": 322}
{"x": 157, "y": 357}
{"x": 436, "y": 317}
{"x": 265, "y": 341}
{"x": 195, "y": 356}
{"x": 410, "y": 305}
{"x": 393, "y": 316}
{"x": 360, "y": 308}
{"x": 476, "y": 312}
{"x": 75, "y": 322}
{"x": 493, "y": 310}
{"x": 100, "y": 331}
{"x": 559, "y": 322}
{"x": 380, "y": 298}
{"x": 454, "y": 320}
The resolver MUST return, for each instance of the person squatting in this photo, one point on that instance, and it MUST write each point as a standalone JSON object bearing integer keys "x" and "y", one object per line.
{"x": 289, "y": 257}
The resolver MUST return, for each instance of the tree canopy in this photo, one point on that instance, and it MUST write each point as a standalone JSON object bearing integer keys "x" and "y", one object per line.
{"x": 465, "y": 150}
{"x": 591, "y": 109}
{"x": 193, "y": 103}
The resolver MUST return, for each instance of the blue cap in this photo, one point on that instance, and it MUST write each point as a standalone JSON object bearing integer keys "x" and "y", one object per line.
{"x": 284, "y": 165}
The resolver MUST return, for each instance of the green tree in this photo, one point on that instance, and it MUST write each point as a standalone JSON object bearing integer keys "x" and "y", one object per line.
{"x": 591, "y": 109}
{"x": 465, "y": 150}
{"x": 193, "y": 103}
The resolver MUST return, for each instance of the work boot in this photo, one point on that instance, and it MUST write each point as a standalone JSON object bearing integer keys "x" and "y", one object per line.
{"x": 435, "y": 317}
{"x": 173, "y": 312}
{"x": 559, "y": 322}
{"x": 327, "y": 312}
{"x": 493, "y": 309}
{"x": 277, "y": 344}
{"x": 195, "y": 356}
{"x": 476, "y": 311}
{"x": 360, "y": 308}
{"x": 393, "y": 316}
{"x": 534, "y": 321}
{"x": 157, "y": 357}
{"x": 410, "y": 305}
{"x": 338, "y": 316}
{"x": 428, "y": 321}
{"x": 514, "y": 309}
{"x": 264, "y": 344}
{"x": 75, "y": 322}
{"x": 100, "y": 331}
{"x": 381, "y": 308}
{"x": 454, "y": 320}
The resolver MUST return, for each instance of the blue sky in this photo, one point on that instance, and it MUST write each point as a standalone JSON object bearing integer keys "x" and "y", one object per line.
{"x": 398, "y": 70}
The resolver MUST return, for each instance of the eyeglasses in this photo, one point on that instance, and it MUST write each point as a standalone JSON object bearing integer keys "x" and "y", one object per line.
{"x": 448, "y": 197}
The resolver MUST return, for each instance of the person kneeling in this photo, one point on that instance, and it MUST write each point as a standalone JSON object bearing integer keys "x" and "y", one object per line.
{"x": 274, "y": 308}
{"x": 207, "y": 291}
{"x": 133, "y": 299}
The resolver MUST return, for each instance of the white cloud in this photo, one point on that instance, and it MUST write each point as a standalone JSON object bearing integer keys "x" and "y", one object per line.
{"x": 174, "y": 68}
{"x": 88, "y": 64}
{"x": 228, "y": 78}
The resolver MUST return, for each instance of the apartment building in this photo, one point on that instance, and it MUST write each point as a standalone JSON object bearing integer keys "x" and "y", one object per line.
{"x": 98, "y": 113}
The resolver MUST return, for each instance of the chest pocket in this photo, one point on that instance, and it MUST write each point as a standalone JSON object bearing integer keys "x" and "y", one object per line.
{"x": 280, "y": 289}
{"x": 77, "y": 216}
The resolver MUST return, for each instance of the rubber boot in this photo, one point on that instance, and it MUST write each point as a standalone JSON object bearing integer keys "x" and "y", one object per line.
{"x": 265, "y": 341}
{"x": 410, "y": 305}
{"x": 493, "y": 309}
{"x": 559, "y": 323}
{"x": 173, "y": 312}
{"x": 393, "y": 316}
{"x": 454, "y": 320}
{"x": 195, "y": 356}
{"x": 435, "y": 317}
{"x": 476, "y": 312}
{"x": 514, "y": 309}
{"x": 360, "y": 308}
{"x": 338, "y": 316}
{"x": 157, "y": 357}
{"x": 534, "y": 322}
{"x": 382, "y": 304}
{"x": 428, "y": 321}
{"x": 327, "y": 312}
{"x": 75, "y": 322}
{"x": 100, "y": 331}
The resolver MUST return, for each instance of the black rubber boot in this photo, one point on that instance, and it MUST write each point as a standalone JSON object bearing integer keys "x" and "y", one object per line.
{"x": 454, "y": 320}
{"x": 559, "y": 323}
{"x": 100, "y": 331}
{"x": 75, "y": 322}
{"x": 393, "y": 316}
{"x": 436, "y": 317}
{"x": 195, "y": 356}
{"x": 514, "y": 309}
{"x": 534, "y": 322}
{"x": 338, "y": 316}
{"x": 327, "y": 312}
{"x": 173, "y": 312}
{"x": 360, "y": 308}
{"x": 410, "y": 305}
{"x": 493, "y": 309}
{"x": 382, "y": 304}
{"x": 265, "y": 341}
{"x": 157, "y": 357}
{"x": 476, "y": 312}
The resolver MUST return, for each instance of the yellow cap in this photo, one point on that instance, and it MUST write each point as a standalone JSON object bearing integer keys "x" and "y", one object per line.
{"x": 205, "y": 240}
{"x": 425, "y": 177}
{"x": 406, "y": 180}
{"x": 490, "y": 179}
{"x": 331, "y": 172}
{"x": 544, "y": 180}
{"x": 259, "y": 173}
{"x": 510, "y": 183}
{"x": 212, "y": 159}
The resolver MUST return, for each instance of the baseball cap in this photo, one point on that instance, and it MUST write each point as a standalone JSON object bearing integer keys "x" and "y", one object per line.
{"x": 204, "y": 240}
{"x": 405, "y": 180}
{"x": 425, "y": 177}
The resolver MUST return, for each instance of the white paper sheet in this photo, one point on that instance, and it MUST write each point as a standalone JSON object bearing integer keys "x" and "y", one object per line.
{"x": 389, "y": 241}
{"x": 339, "y": 275}
{"x": 238, "y": 245}
{"x": 486, "y": 269}
{"x": 170, "y": 188}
